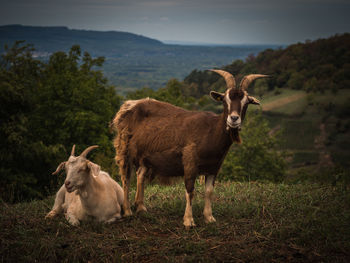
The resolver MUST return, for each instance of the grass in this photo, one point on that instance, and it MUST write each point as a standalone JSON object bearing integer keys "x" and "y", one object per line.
{"x": 296, "y": 107}
{"x": 257, "y": 222}
{"x": 305, "y": 157}
{"x": 300, "y": 133}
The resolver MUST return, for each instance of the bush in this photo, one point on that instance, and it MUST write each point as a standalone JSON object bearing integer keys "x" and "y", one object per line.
{"x": 48, "y": 107}
{"x": 257, "y": 158}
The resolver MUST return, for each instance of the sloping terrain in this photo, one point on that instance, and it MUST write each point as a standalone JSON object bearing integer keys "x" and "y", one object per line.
{"x": 255, "y": 223}
{"x": 315, "y": 125}
{"x": 282, "y": 102}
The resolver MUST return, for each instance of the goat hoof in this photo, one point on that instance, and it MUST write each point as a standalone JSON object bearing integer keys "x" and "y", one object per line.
{"x": 127, "y": 213}
{"x": 50, "y": 215}
{"x": 140, "y": 209}
{"x": 113, "y": 219}
{"x": 189, "y": 226}
{"x": 74, "y": 222}
{"x": 188, "y": 223}
{"x": 209, "y": 219}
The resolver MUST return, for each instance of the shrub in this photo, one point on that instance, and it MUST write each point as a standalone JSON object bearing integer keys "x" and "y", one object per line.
{"x": 258, "y": 157}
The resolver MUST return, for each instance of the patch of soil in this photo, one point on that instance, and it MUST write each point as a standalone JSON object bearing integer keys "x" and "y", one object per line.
{"x": 281, "y": 102}
{"x": 325, "y": 158}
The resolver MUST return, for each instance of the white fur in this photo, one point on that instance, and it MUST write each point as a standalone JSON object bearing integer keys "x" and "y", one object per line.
{"x": 188, "y": 217}
{"x": 209, "y": 188}
{"x": 127, "y": 106}
{"x": 93, "y": 194}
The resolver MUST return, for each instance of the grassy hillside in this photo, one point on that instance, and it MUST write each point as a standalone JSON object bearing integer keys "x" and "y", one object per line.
{"x": 313, "y": 124}
{"x": 307, "y": 97}
{"x": 255, "y": 223}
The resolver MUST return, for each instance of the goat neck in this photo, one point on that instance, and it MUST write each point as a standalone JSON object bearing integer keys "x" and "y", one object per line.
{"x": 228, "y": 135}
{"x": 90, "y": 189}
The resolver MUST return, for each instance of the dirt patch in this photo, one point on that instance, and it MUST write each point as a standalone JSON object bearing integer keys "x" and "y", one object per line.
{"x": 325, "y": 158}
{"x": 281, "y": 102}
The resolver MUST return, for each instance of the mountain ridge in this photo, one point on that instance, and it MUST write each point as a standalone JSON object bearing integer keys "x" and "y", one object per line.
{"x": 54, "y": 38}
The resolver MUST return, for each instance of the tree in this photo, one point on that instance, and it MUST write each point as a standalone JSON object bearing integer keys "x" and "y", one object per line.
{"x": 296, "y": 81}
{"x": 172, "y": 93}
{"x": 49, "y": 107}
{"x": 258, "y": 157}
{"x": 19, "y": 75}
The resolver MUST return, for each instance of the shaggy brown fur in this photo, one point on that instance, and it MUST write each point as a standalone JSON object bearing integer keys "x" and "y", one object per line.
{"x": 163, "y": 137}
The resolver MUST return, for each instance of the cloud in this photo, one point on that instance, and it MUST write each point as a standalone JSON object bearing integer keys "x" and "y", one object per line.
{"x": 164, "y": 18}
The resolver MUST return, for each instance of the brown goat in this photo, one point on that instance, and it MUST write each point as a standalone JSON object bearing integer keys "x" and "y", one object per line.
{"x": 162, "y": 140}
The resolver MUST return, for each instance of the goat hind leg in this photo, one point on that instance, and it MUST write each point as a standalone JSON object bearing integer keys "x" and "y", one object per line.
{"x": 125, "y": 176}
{"x": 140, "y": 207}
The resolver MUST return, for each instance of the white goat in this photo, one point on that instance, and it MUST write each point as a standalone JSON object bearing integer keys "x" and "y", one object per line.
{"x": 87, "y": 191}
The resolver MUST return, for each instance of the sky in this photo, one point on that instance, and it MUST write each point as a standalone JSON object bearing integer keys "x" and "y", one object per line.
{"x": 201, "y": 21}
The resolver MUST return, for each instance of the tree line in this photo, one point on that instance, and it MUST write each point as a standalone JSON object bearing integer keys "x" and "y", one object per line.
{"x": 314, "y": 66}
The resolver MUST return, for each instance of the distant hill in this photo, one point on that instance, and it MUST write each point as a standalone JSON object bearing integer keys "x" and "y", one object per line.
{"x": 133, "y": 61}
{"x": 97, "y": 43}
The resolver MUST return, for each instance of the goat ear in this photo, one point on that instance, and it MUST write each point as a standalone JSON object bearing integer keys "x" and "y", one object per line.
{"x": 217, "y": 96}
{"x": 253, "y": 100}
{"x": 59, "y": 168}
{"x": 94, "y": 168}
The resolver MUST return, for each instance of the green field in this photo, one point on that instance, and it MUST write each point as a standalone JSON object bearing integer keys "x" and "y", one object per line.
{"x": 255, "y": 222}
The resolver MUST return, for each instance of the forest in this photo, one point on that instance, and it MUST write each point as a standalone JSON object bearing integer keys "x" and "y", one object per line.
{"x": 281, "y": 196}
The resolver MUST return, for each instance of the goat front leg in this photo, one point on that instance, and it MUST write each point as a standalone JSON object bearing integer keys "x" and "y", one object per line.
{"x": 140, "y": 207}
{"x": 209, "y": 187}
{"x": 59, "y": 201}
{"x": 188, "y": 217}
{"x": 72, "y": 218}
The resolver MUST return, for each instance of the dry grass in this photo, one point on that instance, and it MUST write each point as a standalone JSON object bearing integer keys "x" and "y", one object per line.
{"x": 255, "y": 222}
{"x": 282, "y": 102}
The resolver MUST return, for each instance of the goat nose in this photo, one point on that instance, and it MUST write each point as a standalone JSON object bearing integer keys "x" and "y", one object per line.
{"x": 67, "y": 183}
{"x": 234, "y": 118}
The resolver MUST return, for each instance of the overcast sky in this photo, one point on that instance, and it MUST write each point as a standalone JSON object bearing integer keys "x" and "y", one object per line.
{"x": 214, "y": 21}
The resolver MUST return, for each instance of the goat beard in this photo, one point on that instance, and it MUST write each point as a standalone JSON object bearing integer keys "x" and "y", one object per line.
{"x": 234, "y": 135}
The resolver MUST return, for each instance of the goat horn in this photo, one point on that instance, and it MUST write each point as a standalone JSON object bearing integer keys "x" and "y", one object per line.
{"x": 229, "y": 78}
{"x": 87, "y": 150}
{"x": 73, "y": 150}
{"x": 249, "y": 79}
{"x": 59, "y": 168}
